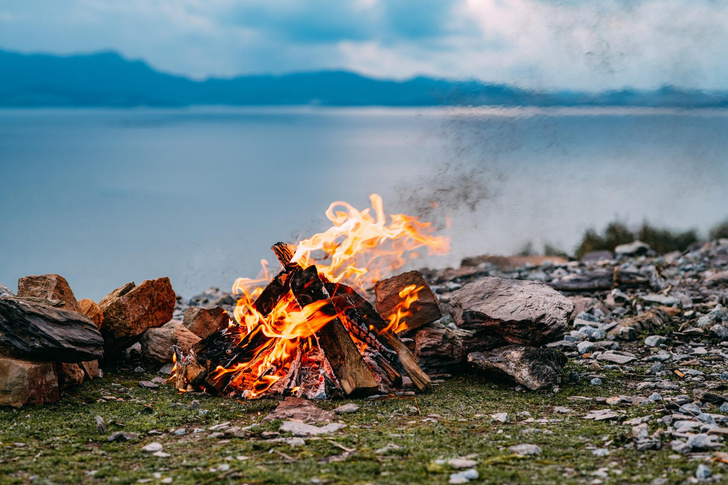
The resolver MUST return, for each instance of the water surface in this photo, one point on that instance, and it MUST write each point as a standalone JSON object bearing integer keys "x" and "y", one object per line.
{"x": 109, "y": 196}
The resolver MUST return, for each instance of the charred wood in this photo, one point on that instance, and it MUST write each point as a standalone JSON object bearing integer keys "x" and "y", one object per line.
{"x": 341, "y": 353}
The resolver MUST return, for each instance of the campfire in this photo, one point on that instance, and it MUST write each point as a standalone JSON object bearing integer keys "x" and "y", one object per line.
{"x": 309, "y": 331}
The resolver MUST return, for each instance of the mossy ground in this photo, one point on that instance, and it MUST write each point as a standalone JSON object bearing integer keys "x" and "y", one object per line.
{"x": 59, "y": 443}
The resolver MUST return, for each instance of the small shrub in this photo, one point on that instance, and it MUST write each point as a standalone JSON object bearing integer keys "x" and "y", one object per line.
{"x": 719, "y": 231}
{"x": 662, "y": 240}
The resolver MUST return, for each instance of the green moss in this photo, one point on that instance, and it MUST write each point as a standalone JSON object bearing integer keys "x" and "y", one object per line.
{"x": 62, "y": 445}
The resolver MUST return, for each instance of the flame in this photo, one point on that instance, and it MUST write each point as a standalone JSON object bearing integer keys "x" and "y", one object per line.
{"x": 360, "y": 248}
{"x": 397, "y": 322}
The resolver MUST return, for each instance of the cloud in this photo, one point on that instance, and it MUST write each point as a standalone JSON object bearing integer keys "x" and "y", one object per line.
{"x": 536, "y": 44}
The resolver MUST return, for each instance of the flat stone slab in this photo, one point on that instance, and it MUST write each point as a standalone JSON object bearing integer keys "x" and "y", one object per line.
{"x": 522, "y": 312}
{"x": 617, "y": 357}
{"x": 303, "y": 429}
{"x": 532, "y": 367}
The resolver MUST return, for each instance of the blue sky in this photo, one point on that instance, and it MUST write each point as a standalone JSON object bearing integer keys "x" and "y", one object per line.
{"x": 579, "y": 44}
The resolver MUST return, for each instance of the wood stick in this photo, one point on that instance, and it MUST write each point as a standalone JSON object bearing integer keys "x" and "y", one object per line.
{"x": 368, "y": 316}
{"x": 343, "y": 356}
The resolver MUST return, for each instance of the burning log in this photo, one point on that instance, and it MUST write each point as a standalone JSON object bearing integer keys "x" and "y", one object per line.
{"x": 363, "y": 315}
{"x": 307, "y": 334}
{"x": 343, "y": 356}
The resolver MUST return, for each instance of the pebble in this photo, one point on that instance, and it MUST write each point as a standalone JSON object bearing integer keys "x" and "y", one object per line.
{"x": 655, "y": 340}
{"x": 703, "y": 472}
{"x": 601, "y": 452}
{"x": 462, "y": 463}
{"x": 501, "y": 417}
{"x": 388, "y": 448}
{"x": 585, "y": 347}
{"x": 122, "y": 436}
{"x": 152, "y": 447}
{"x": 596, "y": 382}
{"x": 347, "y": 409}
{"x": 161, "y": 454}
{"x": 100, "y": 425}
{"x": 525, "y": 449}
{"x": 464, "y": 476}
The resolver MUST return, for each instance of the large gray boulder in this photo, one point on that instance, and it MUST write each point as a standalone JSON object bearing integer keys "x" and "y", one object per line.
{"x": 521, "y": 312}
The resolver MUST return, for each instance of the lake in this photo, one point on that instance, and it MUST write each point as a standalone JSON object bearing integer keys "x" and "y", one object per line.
{"x": 109, "y": 196}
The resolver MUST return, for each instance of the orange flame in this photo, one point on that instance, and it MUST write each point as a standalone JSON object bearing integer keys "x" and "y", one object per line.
{"x": 397, "y": 322}
{"x": 360, "y": 248}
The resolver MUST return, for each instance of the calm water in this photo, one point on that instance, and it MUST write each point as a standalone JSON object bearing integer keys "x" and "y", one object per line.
{"x": 106, "y": 197}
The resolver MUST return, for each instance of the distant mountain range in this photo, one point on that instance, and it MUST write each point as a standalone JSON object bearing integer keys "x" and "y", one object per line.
{"x": 109, "y": 80}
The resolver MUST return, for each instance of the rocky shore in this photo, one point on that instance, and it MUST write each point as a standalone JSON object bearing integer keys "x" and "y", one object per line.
{"x": 651, "y": 330}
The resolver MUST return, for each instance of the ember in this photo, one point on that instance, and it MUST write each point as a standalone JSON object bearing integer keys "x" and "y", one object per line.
{"x": 308, "y": 332}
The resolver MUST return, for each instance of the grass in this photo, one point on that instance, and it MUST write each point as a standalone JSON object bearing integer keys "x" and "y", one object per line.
{"x": 59, "y": 443}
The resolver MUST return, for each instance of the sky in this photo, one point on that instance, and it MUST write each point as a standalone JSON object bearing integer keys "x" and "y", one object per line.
{"x": 536, "y": 44}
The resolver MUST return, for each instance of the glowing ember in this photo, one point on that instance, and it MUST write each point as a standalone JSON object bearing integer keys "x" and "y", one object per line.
{"x": 280, "y": 322}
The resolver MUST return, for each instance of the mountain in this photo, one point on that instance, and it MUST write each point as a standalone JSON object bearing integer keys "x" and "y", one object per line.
{"x": 109, "y": 80}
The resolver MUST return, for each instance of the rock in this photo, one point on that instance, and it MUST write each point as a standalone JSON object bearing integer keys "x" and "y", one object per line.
{"x": 583, "y": 306}
{"x": 703, "y": 472}
{"x": 616, "y": 357}
{"x": 585, "y": 347}
{"x": 303, "y": 429}
{"x": 597, "y": 280}
{"x": 69, "y": 375}
{"x": 439, "y": 349}
{"x": 34, "y": 330}
{"x": 718, "y": 279}
{"x": 600, "y": 452}
{"x": 715, "y": 316}
{"x": 628, "y": 328}
{"x": 152, "y": 447}
{"x": 350, "y": 408}
{"x": 655, "y": 340}
{"x": 532, "y": 367}
{"x": 205, "y": 320}
{"x": 661, "y": 299}
{"x": 500, "y": 417}
{"x": 130, "y": 310}
{"x": 635, "y": 248}
{"x": 641, "y": 431}
{"x": 720, "y": 331}
{"x": 593, "y": 257}
{"x": 157, "y": 342}
{"x": 122, "y": 436}
{"x": 27, "y": 382}
{"x": 92, "y": 311}
{"x": 5, "y": 292}
{"x": 596, "y": 382}
{"x": 525, "y": 449}
{"x": 426, "y": 309}
{"x": 303, "y": 410}
{"x": 214, "y": 297}
{"x": 50, "y": 287}
{"x": 100, "y": 425}
{"x": 389, "y": 447}
{"x": 462, "y": 463}
{"x": 464, "y": 476}
{"x": 91, "y": 369}
{"x": 601, "y": 415}
{"x": 521, "y": 312}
